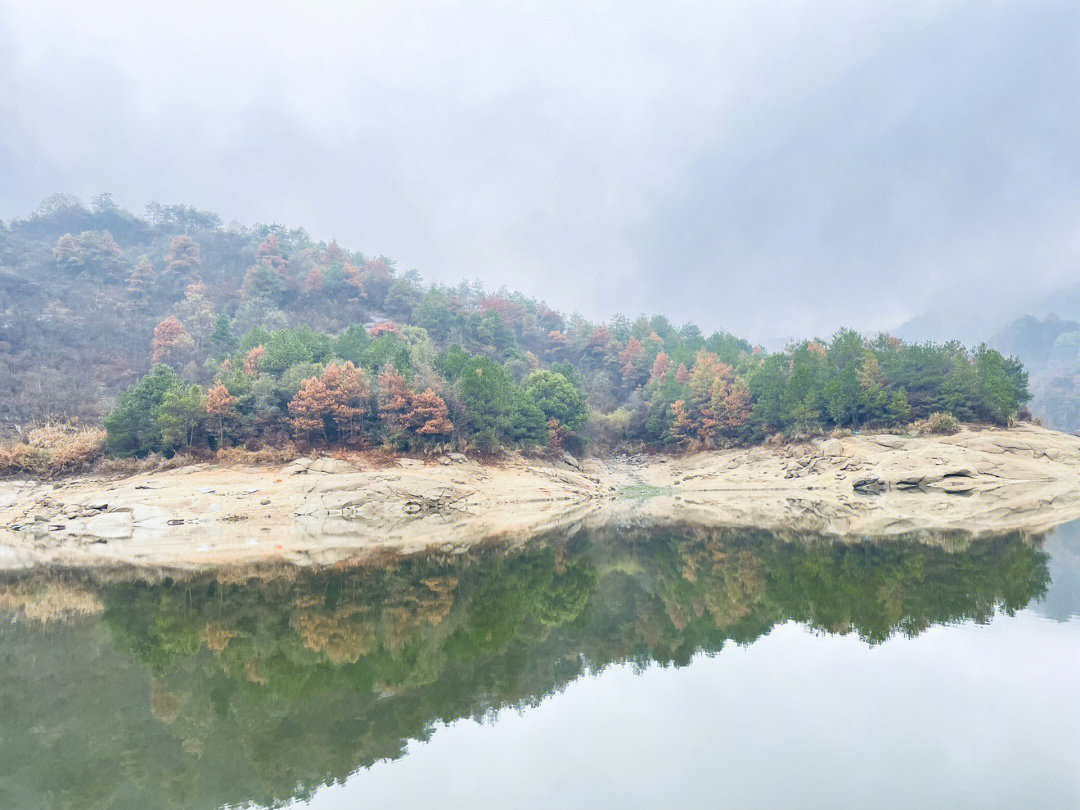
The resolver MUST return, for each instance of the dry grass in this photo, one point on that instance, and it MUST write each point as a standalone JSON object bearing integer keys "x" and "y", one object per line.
{"x": 53, "y": 450}
{"x": 939, "y": 423}
{"x": 264, "y": 456}
{"x": 120, "y": 467}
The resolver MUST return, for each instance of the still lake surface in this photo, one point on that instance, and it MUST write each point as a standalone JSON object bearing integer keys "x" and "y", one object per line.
{"x": 676, "y": 668}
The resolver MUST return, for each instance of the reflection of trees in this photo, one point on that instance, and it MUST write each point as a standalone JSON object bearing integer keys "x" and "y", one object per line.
{"x": 263, "y": 689}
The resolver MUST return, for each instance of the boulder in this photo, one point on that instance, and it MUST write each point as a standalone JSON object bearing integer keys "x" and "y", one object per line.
{"x": 832, "y": 448}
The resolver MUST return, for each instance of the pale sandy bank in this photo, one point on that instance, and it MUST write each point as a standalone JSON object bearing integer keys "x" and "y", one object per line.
{"x": 978, "y": 481}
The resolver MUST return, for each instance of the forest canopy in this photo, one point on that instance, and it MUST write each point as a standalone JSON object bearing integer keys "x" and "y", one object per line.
{"x": 174, "y": 331}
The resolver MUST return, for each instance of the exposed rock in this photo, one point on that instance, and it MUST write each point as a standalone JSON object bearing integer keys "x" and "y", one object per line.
{"x": 330, "y": 466}
{"x": 110, "y": 525}
{"x": 891, "y": 442}
{"x": 978, "y": 481}
{"x": 832, "y": 448}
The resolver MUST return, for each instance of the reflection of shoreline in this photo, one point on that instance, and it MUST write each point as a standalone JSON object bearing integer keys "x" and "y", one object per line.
{"x": 260, "y": 686}
{"x": 53, "y": 579}
{"x": 980, "y": 481}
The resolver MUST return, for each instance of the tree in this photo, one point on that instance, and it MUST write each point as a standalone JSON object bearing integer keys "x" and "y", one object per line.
{"x": 407, "y": 414}
{"x": 660, "y": 367}
{"x": 222, "y": 341}
{"x": 253, "y": 359}
{"x": 171, "y": 340}
{"x": 557, "y": 398}
{"x": 269, "y": 253}
{"x": 431, "y": 415}
{"x": 285, "y": 348}
{"x": 183, "y": 255}
{"x": 180, "y": 415}
{"x": 628, "y": 358}
{"x": 133, "y": 427}
{"x": 103, "y": 203}
{"x": 334, "y": 402}
{"x": 220, "y": 405}
{"x": 141, "y": 280}
{"x": 352, "y": 344}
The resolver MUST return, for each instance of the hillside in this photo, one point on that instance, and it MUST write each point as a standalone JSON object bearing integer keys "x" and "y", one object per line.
{"x": 178, "y": 333}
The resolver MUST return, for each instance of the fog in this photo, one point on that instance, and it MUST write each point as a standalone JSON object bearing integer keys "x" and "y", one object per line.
{"x": 770, "y": 171}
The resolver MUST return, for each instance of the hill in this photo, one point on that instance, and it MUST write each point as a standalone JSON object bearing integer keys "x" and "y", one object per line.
{"x": 176, "y": 332}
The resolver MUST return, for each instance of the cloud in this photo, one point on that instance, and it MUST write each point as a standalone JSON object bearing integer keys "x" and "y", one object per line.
{"x": 766, "y": 168}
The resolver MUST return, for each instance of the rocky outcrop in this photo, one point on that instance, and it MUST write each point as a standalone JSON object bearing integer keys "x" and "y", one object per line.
{"x": 325, "y": 510}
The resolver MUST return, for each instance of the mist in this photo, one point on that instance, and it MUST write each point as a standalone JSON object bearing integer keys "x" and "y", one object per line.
{"x": 771, "y": 172}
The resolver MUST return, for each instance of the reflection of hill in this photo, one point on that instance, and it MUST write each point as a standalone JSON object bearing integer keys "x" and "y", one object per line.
{"x": 263, "y": 689}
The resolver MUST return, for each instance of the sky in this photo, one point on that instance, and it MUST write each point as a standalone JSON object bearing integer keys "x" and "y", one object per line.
{"x": 772, "y": 169}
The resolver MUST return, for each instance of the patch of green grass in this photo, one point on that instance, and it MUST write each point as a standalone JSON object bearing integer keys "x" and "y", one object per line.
{"x": 642, "y": 492}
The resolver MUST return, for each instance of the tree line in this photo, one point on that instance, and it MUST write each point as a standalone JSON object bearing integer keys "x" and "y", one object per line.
{"x": 205, "y": 335}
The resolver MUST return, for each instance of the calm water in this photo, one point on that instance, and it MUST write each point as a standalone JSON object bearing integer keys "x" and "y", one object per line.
{"x": 670, "y": 669}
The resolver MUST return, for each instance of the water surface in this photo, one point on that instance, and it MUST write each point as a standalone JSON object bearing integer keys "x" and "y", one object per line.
{"x": 676, "y": 668}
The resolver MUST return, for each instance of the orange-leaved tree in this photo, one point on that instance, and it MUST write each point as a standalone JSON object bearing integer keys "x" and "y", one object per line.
{"x": 252, "y": 359}
{"x": 336, "y": 400}
{"x": 407, "y": 414}
{"x": 171, "y": 340}
{"x": 221, "y": 405}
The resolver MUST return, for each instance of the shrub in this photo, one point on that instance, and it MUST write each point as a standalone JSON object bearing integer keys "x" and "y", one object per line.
{"x": 938, "y": 422}
{"x": 53, "y": 449}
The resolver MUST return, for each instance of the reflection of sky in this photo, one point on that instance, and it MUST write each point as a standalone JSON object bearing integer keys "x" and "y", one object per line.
{"x": 962, "y": 716}
{"x": 1062, "y": 601}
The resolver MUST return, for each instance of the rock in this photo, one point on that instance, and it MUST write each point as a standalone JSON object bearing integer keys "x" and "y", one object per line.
{"x": 958, "y": 486}
{"x": 110, "y": 525}
{"x": 570, "y": 460}
{"x": 298, "y": 466}
{"x": 458, "y": 458}
{"x": 330, "y": 466}
{"x": 445, "y": 461}
{"x": 891, "y": 442}
{"x": 832, "y": 448}
{"x": 143, "y": 514}
{"x": 870, "y": 483}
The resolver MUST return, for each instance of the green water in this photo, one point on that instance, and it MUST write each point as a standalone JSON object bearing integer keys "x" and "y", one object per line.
{"x": 607, "y": 669}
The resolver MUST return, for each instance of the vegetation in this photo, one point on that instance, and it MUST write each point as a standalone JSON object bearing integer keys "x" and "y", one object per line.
{"x": 181, "y": 333}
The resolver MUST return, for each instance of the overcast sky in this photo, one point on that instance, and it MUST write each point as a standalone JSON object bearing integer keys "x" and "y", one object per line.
{"x": 772, "y": 169}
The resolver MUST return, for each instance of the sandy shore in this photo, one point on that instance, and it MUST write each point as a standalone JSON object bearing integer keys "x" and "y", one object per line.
{"x": 327, "y": 511}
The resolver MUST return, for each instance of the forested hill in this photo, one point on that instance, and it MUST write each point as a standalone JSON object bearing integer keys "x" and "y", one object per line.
{"x": 262, "y": 336}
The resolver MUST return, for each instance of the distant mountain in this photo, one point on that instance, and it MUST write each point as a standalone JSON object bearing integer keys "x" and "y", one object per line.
{"x": 966, "y": 325}
{"x": 1050, "y": 350}
{"x": 1040, "y": 343}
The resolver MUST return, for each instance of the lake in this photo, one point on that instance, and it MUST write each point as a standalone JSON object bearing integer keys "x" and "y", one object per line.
{"x": 617, "y": 668}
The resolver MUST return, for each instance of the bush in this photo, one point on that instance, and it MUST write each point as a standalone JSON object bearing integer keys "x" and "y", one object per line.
{"x": 938, "y": 423}
{"x": 54, "y": 449}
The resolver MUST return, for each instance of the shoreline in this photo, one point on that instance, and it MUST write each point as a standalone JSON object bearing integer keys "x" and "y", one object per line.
{"x": 327, "y": 511}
